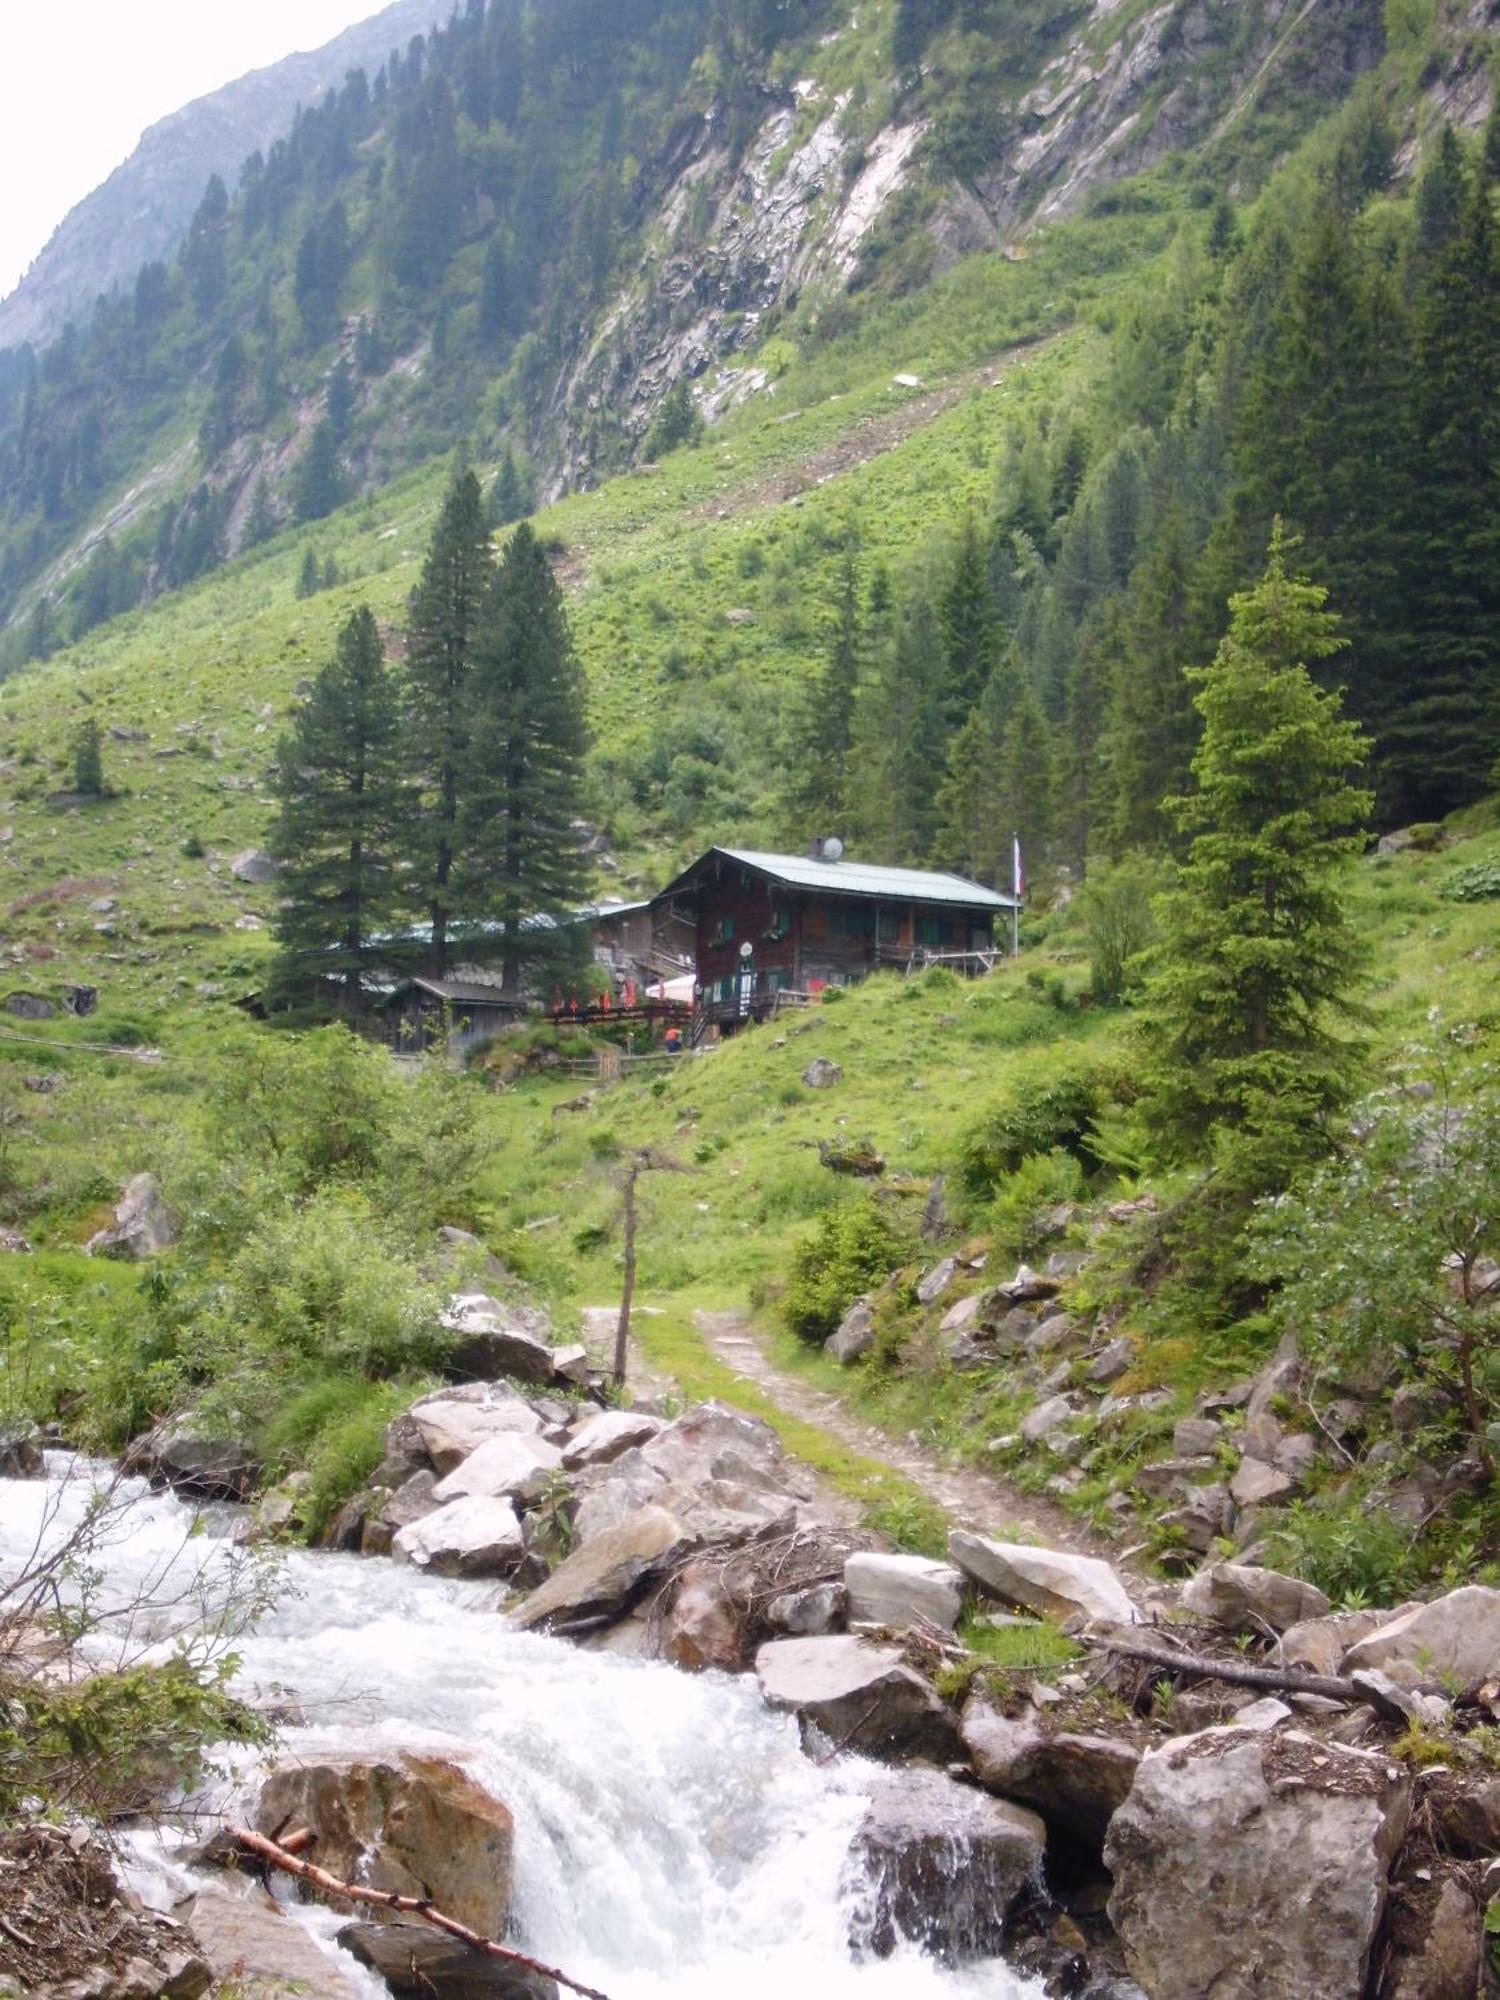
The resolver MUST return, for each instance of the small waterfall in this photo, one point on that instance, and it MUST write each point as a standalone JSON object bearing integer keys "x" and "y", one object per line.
{"x": 671, "y": 1838}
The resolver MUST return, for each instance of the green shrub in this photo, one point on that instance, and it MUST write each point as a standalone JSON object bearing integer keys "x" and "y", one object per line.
{"x": 1040, "y": 1115}
{"x": 1041, "y": 1183}
{"x": 1355, "y": 1553}
{"x": 1478, "y": 883}
{"x": 849, "y": 1249}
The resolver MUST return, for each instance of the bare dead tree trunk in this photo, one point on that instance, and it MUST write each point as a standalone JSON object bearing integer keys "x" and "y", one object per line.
{"x": 385, "y": 1899}
{"x": 627, "y": 1287}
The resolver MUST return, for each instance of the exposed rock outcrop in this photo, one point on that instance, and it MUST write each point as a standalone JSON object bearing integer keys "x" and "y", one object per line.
{"x": 858, "y": 1696}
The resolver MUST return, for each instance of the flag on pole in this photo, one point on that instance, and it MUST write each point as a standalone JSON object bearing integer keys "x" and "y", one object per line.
{"x": 1018, "y": 878}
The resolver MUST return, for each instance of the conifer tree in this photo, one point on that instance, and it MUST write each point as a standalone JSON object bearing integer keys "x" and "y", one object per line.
{"x": 899, "y": 733}
{"x": 308, "y": 576}
{"x": 508, "y": 500}
{"x": 88, "y": 760}
{"x": 442, "y": 629}
{"x": 970, "y": 838}
{"x": 521, "y": 864}
{"x": 1150, "y": 721}
{"x": 261, "y": 525}
{"x": 968, "y": 623}
{"x": 1027, "y": 788}
{"x": 818, "y": 762}
{"x": 318, "y": 485}
{"x": 1258, "y": 955}
{"x": 339, "y": 787}
{"x": 1442, "y": 743}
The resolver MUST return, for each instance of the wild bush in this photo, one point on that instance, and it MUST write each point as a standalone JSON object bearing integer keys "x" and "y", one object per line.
{"x": 1043, "y": 1112}
{"x": 1042, "y": 1182}
{"x": 847, "y": 1250}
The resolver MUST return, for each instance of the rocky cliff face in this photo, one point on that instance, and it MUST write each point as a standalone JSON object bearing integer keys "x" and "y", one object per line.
{"x": 735, "y": 236}
{"x": 143, "y": 209}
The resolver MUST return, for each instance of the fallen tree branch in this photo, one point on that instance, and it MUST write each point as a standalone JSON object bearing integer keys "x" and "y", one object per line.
{"x": 1281, "y": 1680}
{"x": 416, "y": 1906}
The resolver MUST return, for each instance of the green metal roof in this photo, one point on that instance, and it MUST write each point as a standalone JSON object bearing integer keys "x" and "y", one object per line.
{"x": 859, "y": 878}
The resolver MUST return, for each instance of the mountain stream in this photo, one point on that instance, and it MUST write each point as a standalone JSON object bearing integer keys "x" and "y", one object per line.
{"x": 672, "y": 1840}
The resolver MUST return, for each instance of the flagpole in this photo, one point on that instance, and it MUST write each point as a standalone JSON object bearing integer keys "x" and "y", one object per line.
{"x": 1017, "y": 883}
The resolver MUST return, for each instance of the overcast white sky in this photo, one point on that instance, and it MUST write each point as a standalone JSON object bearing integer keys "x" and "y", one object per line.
{"x": 82, "y": 79}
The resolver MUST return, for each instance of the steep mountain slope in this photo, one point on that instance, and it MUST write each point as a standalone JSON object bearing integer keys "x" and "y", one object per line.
{"x": 531, "y": 228}
{"x": 139, "y": 214}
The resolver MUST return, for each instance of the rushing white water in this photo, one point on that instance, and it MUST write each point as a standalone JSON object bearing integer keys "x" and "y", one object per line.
{"x": 671, "y": 1838}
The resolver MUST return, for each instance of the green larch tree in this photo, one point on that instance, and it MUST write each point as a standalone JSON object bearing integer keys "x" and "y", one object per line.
{"x": 342, "y": 809}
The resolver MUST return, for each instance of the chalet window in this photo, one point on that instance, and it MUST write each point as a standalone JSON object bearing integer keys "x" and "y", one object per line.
{"x": 888, "y": 926}
{"x": 779, "y": 925}
{"x": 934, "y": 931}
{"x": 852, "y": 920}
{"x": 723, "y": 931}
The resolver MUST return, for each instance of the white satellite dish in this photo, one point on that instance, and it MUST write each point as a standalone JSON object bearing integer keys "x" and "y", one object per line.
{"x": 833, "y": 850}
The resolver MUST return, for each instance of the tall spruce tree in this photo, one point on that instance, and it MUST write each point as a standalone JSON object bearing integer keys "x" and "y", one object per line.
{"x": 968, "y": 622}
{"x": 442, "y": 630}
{"x": 971, "y": 838}
{"x": 1445, "y": 738}
{"x": 339, "y": 786}
{"x": 521, "y": 864}
{"x": 819, "y": 770}
{"x": 1257, "y": 954}
{"x": 899, "y": 736}
{"x": 1027, "y": 788}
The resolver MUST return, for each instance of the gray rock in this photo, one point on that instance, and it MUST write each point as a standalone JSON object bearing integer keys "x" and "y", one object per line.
{"x": 1296, "y": 1456}
{"x": 1076, "y": 1782}
{"x": 252, "y": 865}
{"x": 604, "y": 1437}
{"x": 143, "y": 1226}
{"x": 1319, "y": 1644}
{"x": 821, "y": 1074}
{"x": 1053, "y": 1581}
{"x": 1413, "y": 1408}
{"x": 1244, "y": 1598}
{"x": 1027, "y": 1285}
{"x": 491, "y": 1340}
{"x": 1203, "y": 1516}
{"x": 198, "y": 1467}
{"x": 604, "y": 1578}
{"x": 859, "y": 1696}
{"x": 1444, "y": 1959}
{"x": 1112, "y": 1360}
{"x": 902, "y": 1590}
{"x": 809, "y": 1613}
{"x": 931, "y": 1287}
{"x": 940, "y": 1865}
{"x": 713, "y": 1442}
{"x": 510, "y": 1466}
{"x": 417, "y": 1963}
{"x": 1171, "y": 1475}
{"x": 475, "y": 1536}
{"x": 1455, "y": 1640}
{"x": 1195, "y": 1437}
{"x": 452, "y": 1425}
{"x": 1047, "y": 1416}
{"x": 20, "y": 1455}
{"x": 854, "y": 1335}
{"x": 247, "y": 1937}
{"x": 1055, "y": 1331}
{"x": 962, "y": 1315}
{"x": 1256, "y": 1484}
{"x": 1254, "y": 1863}
{"x": 572, "y": 1364}
{"x": 383, "y": 1520}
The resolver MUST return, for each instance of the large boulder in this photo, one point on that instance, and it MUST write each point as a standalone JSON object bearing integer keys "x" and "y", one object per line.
{"x": 1319, "y": 1644}
{"x": 1454, "y": 1640}
{"x": 940, "y": 1865}
{"x": 712, "y": 1442}
{"x": 477, "y": 1536}
{"x": 490, "y": 1339}
{"x": 1248, "y": 1863}
{"x": 416, "y": 1825}
{"x": 143, "y": 1225}
{"x": 1053, "y": 1581}
{"x": 509, "y": 1466}
{"x": 1077, "y": 1783}
{"x": 602, "y": 1580}
{"x": 386, "y": 1513}
{"x": 252, "y": 1945}
{"x": 1244, "y": 1598}
{"x": 418, "y": 1963}
{"x": 198, "y": 1466}
{"x": 899, "y": 1591}
{"x": 703, "y": 1626}
{"x": 603, "y": 1437}
{"x": 252, "y": 865}
{"x": 858, "y": 1696}
{"x": 451, "y": 1424}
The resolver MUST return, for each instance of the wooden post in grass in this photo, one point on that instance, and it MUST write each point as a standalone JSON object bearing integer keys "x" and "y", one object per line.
{"x": 646, "y": 1160}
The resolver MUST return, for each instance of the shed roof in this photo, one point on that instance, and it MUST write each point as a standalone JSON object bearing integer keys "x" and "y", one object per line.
{"x": 856, "y": 878}
{"x": 466, "y": 993}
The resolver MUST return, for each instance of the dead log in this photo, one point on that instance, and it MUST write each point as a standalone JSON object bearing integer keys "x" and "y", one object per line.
{"x": 414, "y": 1906}
{"x": 1276, "y": 1680}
